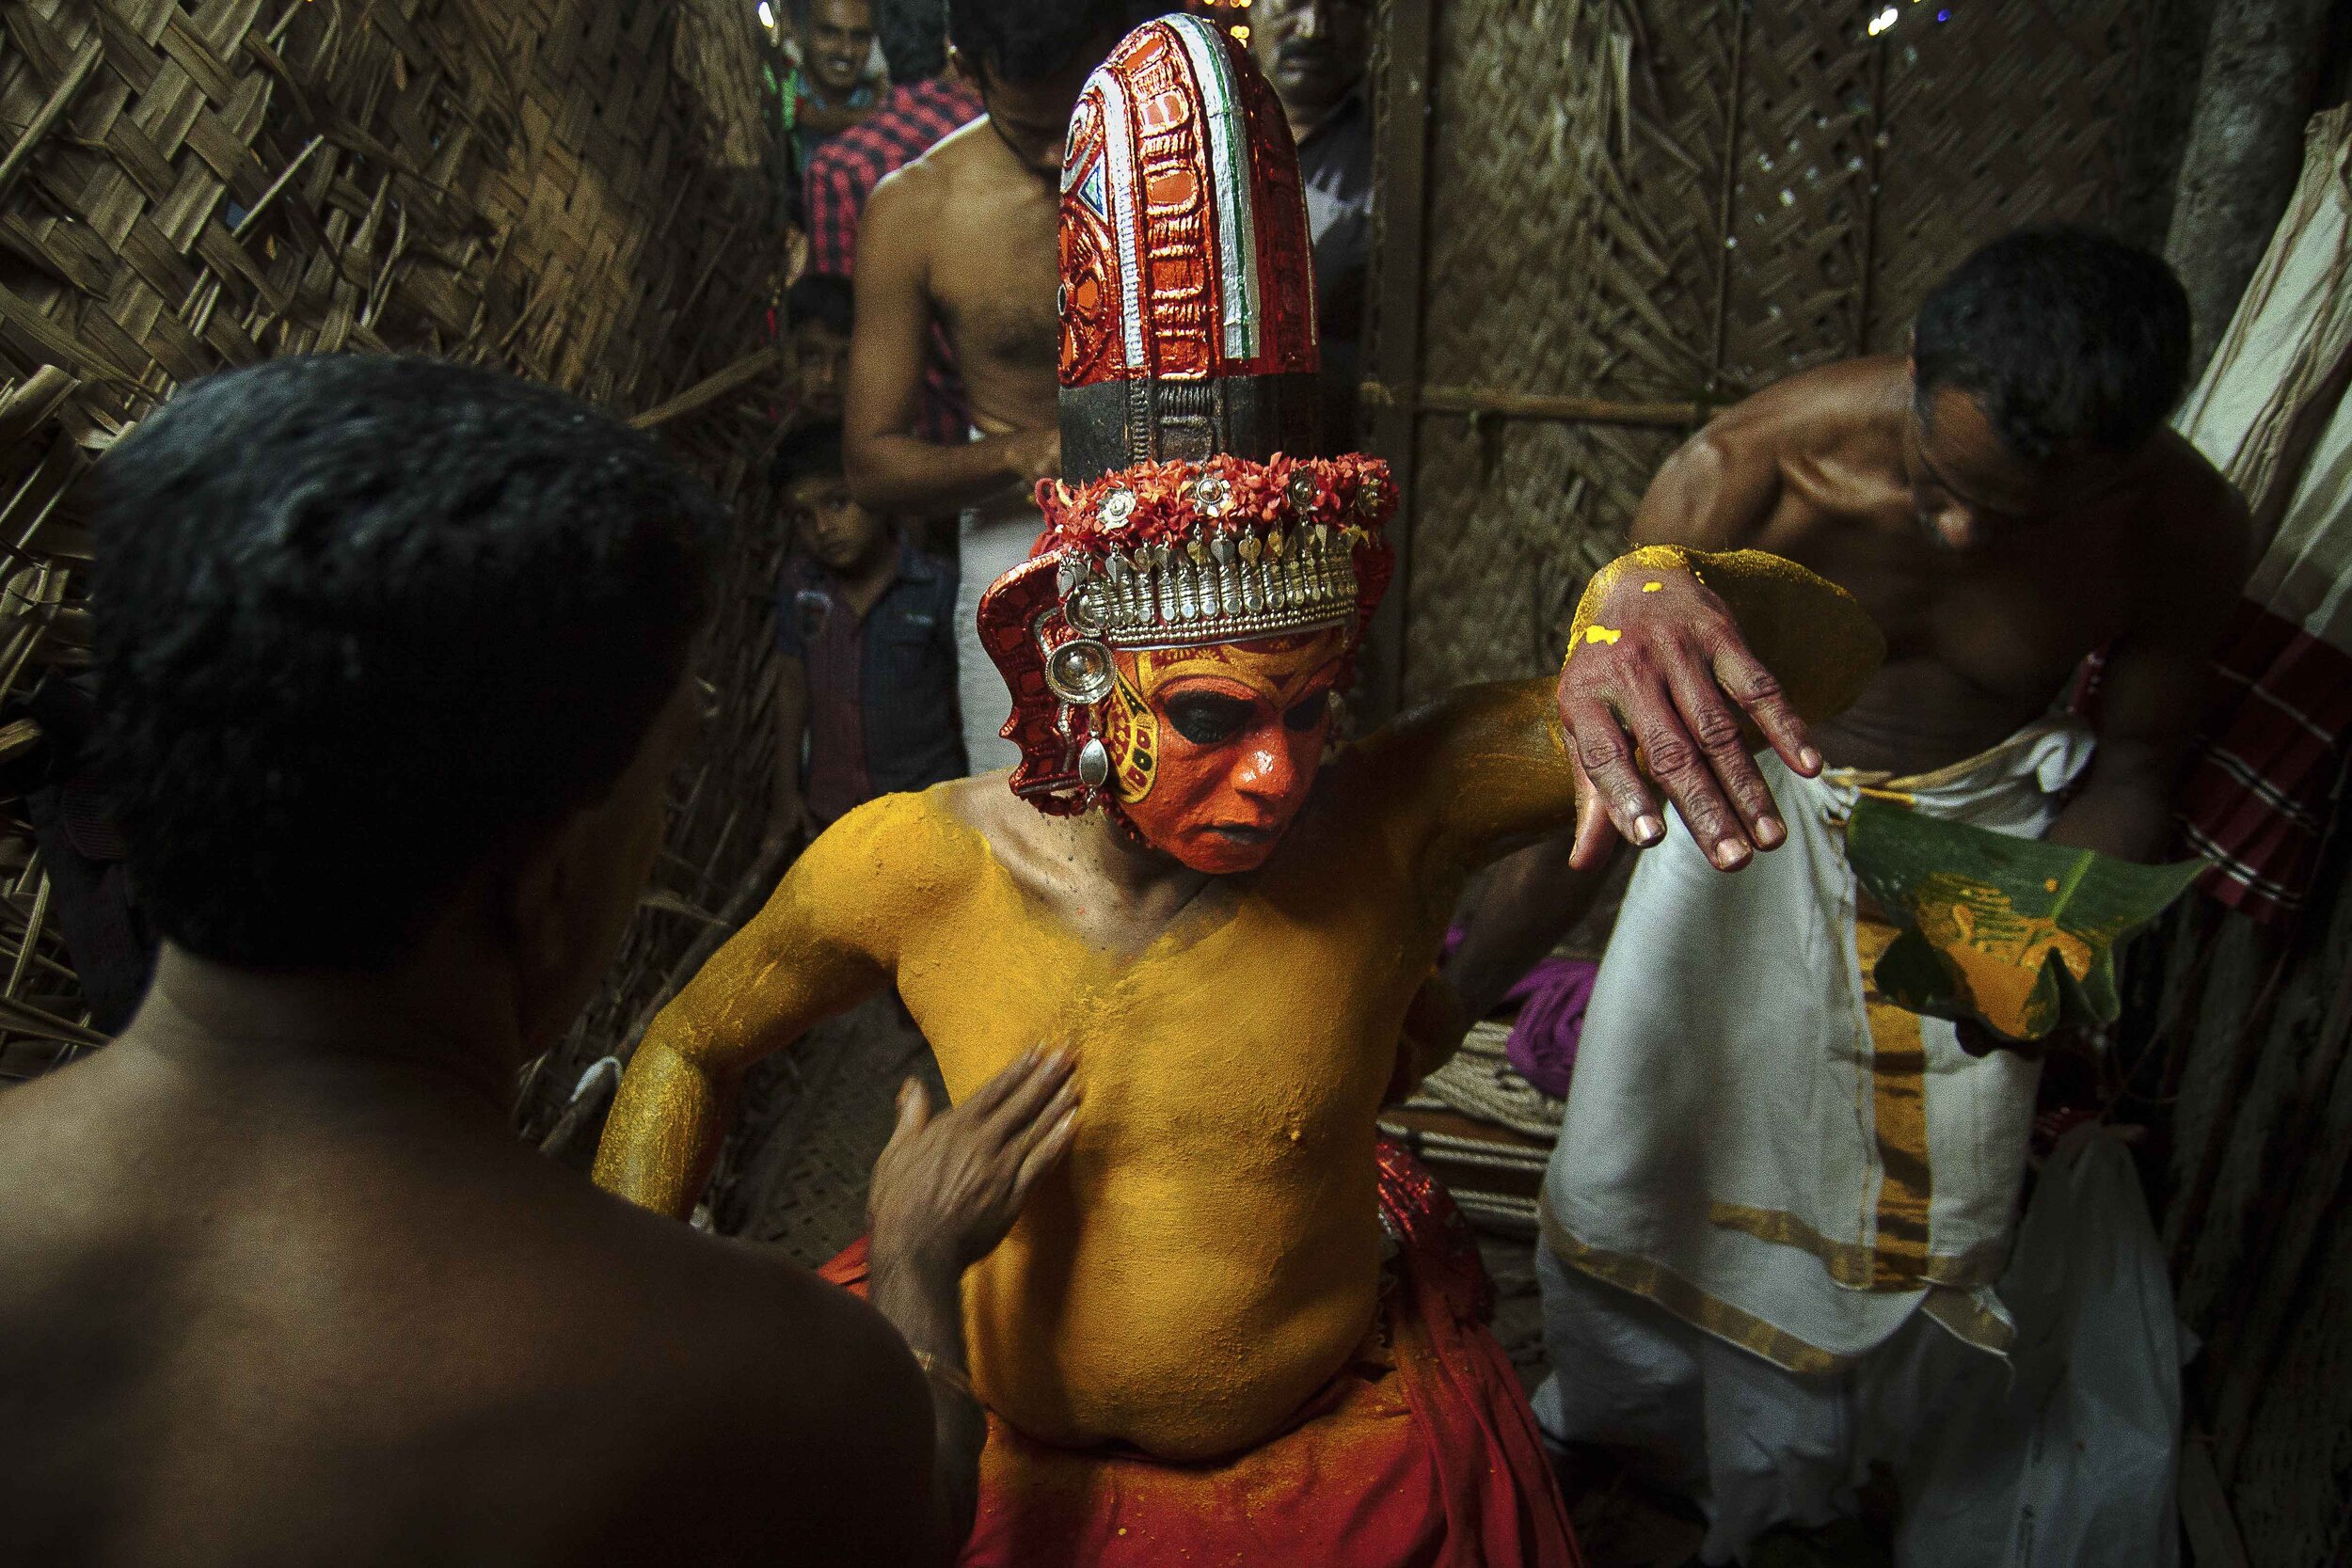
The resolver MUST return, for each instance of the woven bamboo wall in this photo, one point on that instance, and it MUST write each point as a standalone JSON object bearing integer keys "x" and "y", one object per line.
{"x": 1682, "y": 200}
{"x": 557, "y": 187}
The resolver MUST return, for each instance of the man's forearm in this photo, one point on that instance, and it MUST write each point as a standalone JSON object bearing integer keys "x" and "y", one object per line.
{"x": 827, "y": 120}
{"x": 904, "y": 474}
{"x": 1531, "y": 900}
{"x": 922, "y": 1301}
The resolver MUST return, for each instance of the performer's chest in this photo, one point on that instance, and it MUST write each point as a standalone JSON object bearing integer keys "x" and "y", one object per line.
{"x": 1273, "y": 1018}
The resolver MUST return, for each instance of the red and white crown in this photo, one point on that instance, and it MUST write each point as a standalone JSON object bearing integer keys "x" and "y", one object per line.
{"x": 1188, "y": 512}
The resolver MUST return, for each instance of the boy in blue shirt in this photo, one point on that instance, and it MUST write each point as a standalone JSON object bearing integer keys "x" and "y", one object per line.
{"x": 866, "y": 625}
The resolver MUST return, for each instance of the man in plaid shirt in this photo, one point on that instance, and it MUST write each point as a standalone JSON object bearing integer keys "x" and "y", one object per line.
{"x": 927, "y": 104}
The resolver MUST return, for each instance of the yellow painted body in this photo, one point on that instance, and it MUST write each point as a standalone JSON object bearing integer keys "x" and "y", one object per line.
{"x": 1208, "y": 1255}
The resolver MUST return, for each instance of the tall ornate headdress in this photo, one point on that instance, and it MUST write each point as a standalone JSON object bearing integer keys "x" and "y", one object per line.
{"x": 1188, "y": 512}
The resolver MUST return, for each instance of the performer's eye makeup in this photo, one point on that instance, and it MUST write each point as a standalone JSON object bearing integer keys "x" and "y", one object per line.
{"x": 1207, "y": 719}
{"x": 1306, "y": 715}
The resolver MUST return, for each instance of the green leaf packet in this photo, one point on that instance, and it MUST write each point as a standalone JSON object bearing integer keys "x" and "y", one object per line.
{"x": 2014, "y": 932}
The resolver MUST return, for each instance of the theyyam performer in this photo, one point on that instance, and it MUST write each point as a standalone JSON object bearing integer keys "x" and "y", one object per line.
{"x": 1231, "y": 1324}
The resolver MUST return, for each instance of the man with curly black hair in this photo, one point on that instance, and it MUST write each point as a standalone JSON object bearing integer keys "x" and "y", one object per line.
{"x": 393, "y": 673}
{"x": 964, "y": 236}
{"x": 1775, "y": 1192}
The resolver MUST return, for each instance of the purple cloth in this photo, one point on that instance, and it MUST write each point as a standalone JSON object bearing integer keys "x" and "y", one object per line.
{"x": 1551, "y": 998}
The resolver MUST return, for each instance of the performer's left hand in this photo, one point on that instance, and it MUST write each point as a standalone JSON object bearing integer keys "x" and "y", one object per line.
{"x": 1664, "y": 694}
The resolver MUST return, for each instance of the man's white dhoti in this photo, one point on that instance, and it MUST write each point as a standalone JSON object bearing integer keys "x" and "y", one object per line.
{"x": 1774, "y": 1159}
{"x": 990, "y": 541}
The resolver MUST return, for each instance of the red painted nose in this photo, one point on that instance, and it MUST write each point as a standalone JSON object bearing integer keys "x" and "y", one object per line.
{"x": 1268, "y": 772}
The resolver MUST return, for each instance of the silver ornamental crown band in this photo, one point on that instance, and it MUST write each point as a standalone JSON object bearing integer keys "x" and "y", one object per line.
{"x": 1161, "y": 598}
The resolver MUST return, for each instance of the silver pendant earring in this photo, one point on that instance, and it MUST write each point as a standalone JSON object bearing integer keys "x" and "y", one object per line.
{"x": 1094, "y": 763}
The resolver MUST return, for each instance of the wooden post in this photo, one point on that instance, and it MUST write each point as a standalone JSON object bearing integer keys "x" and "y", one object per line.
{"x": 1405, "y": 94}
{"x": 2245, "y": 150}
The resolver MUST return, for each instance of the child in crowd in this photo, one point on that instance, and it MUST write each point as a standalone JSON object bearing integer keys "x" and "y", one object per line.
{"x": 820, "y": 315}
{"x": 866, "y": 628}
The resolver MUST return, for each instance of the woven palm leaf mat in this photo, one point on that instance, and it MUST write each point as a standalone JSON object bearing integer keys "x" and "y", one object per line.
{"x": 567, "y": 189}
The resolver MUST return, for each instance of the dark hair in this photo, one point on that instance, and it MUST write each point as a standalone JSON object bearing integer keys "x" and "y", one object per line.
{"x": 363, "y": 623}
{"x": 800, "y": 10}
{"x": 2073, "y": 342}
{"x": 1029, "y": 41}
{"x": 824, "y": 299}
{"x": 913, "y": 36}
{"x": 807, "y": 451}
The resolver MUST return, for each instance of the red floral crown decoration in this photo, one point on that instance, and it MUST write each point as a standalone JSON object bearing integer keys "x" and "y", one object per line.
{"x": 1172, "y": 555}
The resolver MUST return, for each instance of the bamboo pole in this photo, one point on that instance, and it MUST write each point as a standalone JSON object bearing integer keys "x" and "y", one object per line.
{"x": 1400, "y": 271}
{"x": 1483, "y": 403}
{"x": 710, "y": 389}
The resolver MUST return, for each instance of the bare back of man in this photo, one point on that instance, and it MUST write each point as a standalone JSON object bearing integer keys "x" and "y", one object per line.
{"x": 278, "y": 1284}
{"x": 294, "y": 1311}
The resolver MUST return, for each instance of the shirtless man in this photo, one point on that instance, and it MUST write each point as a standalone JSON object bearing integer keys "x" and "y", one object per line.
{"x": 2003, "y": 501}
{"x": 393, "y": 660}
{"x": 964, "y": 236}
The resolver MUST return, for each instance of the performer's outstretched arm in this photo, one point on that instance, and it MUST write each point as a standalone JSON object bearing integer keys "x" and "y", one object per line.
{"x": 1715, "y": 495}
{"x": 813, "y": 951}
{"x": 1486, "y": 769}
{"x": 1491, "y": 765}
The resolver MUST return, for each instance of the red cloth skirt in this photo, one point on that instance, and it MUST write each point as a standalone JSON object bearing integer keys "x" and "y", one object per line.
{"x": 1421, "y": 1454}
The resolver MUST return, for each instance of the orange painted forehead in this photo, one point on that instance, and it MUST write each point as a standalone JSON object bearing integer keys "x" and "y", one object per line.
{"x": 1281, "y": 669}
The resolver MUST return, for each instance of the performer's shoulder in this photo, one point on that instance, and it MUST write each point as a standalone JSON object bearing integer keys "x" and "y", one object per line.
{"x": 1420, "y": 750}
{"x": 917, "y": 831}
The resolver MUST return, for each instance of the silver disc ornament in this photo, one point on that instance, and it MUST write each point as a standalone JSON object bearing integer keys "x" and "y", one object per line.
{"x": 1081, "y": 672}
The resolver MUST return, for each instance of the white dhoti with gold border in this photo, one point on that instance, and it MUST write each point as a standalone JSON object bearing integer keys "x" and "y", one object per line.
{"x": 1776, "y": 1159}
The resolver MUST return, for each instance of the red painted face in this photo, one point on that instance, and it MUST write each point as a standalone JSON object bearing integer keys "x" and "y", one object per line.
{"x": 1214, "y": 749}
